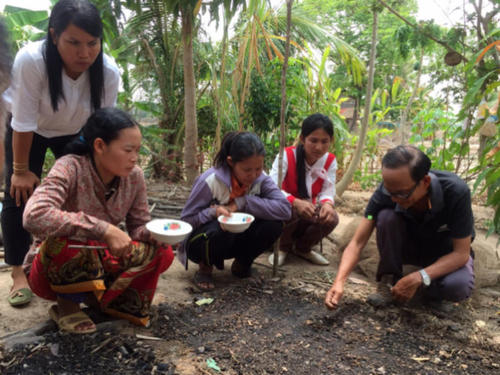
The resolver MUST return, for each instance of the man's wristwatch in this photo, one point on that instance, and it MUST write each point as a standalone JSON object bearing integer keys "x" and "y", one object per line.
{"x": 426, "y": 280}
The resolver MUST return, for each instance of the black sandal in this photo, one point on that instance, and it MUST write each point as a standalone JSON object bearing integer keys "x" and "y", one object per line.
{"x": 203, "y": 278}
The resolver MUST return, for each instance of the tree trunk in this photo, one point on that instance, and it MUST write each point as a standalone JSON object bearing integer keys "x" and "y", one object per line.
{"x": 221, "y": 98}
{"x": 465, "y": 141}
{"x": 355, "y": 111}
{"x": 282, "y": 113}
{"x": 403, "y": 128}
{"x": 353, "y": 165}
{"x": 191, "y": 128}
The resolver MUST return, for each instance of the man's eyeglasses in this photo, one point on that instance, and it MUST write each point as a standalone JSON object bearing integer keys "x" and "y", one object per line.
{"x": 400, "y": 194}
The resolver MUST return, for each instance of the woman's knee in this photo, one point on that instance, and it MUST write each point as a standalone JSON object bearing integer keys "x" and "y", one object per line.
{"x": 167, "y": 255}
{"x": 270, "y": 228}
{"x": 331, "y": 224}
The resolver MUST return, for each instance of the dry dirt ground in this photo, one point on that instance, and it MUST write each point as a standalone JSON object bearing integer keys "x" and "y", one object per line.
{"x": 264, "y": 325}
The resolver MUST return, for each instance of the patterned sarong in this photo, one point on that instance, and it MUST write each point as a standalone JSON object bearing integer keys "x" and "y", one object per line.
{"x": 124, "y": 287}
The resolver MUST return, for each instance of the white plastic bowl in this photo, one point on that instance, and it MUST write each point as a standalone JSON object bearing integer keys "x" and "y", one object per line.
{"x": 236, "y": 223}
{"x": 169, "y": 231}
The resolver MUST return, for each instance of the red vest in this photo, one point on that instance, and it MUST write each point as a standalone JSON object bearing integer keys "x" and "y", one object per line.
{"x": 290, "y": 182}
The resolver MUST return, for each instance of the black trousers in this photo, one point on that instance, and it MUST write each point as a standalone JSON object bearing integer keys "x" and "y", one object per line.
{"x": 17, "y": 240}
{"x": 397, "y": 246}
{"x": 210, "y": 245}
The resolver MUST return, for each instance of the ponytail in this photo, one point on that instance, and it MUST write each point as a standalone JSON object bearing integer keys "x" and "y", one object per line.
{"x": 239, "y": 146}
{"x": 300, "y": 167}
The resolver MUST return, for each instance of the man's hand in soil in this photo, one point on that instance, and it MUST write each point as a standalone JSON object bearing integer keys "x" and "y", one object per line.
{"x": 405, "y": 288}
{"x": 333, "y": 296}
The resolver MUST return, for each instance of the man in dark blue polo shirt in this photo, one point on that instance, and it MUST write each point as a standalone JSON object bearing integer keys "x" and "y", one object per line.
{"x": 422, "y": 217}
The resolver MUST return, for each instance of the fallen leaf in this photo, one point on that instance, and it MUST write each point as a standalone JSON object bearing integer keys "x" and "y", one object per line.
{"x": 212, "y": 364}
{"x": 204, "y": 301}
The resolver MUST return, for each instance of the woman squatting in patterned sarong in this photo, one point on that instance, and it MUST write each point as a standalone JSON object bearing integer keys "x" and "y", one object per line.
{"x": 80, "y": 254}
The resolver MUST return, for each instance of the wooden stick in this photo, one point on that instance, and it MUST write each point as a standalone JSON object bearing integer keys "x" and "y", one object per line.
{"x": 87, "y": 247}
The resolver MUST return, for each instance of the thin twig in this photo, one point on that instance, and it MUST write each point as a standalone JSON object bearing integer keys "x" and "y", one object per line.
{"x": 266, "y": 266}
{"x": 101, "y": 345}
{"x": 204, "y": 371}
{"x": 143, "y": 337}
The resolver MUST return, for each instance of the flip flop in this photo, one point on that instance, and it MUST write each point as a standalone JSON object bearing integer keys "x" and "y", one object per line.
{"x": 20, "y": 297}
{"x": 68, "y": 323}
{"x": 203, "y": 278}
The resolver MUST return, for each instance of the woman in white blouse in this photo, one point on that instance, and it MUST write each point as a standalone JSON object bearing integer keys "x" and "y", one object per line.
{"x": 308, "y": 182}
{"x": 56, "y": 84}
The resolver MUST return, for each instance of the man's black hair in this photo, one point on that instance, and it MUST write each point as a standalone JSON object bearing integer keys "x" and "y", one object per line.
{"x": 418, "y": 163}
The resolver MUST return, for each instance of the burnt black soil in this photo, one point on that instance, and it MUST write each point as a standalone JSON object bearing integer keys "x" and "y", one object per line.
{"x": 98, "y": 353}
{"x": 270, "y": 328}
{"x": 273, "y": 329}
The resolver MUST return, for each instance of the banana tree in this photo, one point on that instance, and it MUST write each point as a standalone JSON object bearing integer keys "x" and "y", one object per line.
{"x": 188, "y": 10}
{"x": 25, "y": 25}
{"x": 260, "y": 38}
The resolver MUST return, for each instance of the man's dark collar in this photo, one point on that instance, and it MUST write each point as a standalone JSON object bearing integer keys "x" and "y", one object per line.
{"x": 436, "y": 194}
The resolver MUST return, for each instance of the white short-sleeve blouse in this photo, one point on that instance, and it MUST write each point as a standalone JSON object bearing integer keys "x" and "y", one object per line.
{"x": 28, "y": 97}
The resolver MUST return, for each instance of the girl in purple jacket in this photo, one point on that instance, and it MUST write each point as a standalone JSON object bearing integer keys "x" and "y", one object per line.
{"x": 234, "y": 183}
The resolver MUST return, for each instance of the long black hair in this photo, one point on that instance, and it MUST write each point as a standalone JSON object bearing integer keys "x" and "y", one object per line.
{"x": 311, "y": 123}
{"x": 83, "y": 14}
{"x": 240, "y": 146}
{"x": 104, "y": 123}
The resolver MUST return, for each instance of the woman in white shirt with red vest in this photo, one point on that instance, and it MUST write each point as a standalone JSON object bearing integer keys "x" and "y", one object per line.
{"x": 309, "y": 185}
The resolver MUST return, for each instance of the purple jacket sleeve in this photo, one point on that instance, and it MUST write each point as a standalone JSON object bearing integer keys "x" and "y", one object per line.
{"x": 197, "y": 210}
{"x": 271, "y": 204}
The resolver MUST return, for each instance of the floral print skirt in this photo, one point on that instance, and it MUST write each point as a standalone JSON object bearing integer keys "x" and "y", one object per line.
{"x": 124, "y": 286}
